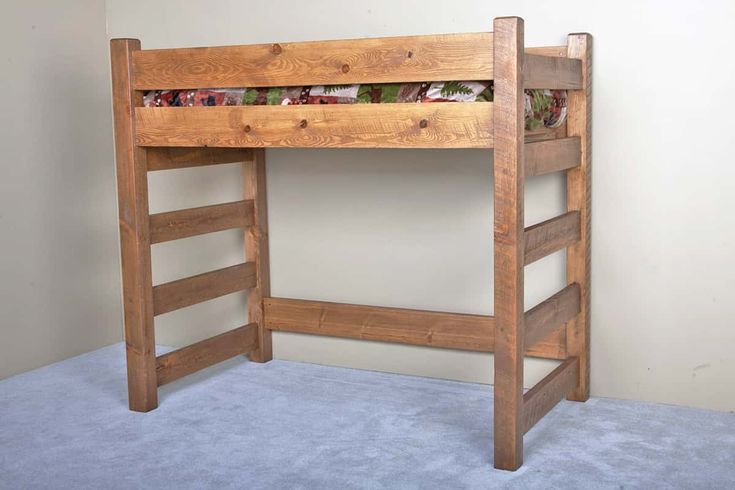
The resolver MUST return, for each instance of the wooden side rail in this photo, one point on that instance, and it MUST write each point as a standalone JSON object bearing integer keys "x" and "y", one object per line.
{"x": 173, "y": 225}
{"x": 163, "y": 158}
{"x": 550, "y": 236}
{"x": 554, "y": 155}
{"x": 415, "y": 327}
{"x": 551, "y": 314}
{"x": 192, "y": 358}
{"x": 551, "y": 72}
{"x": 549, "y": 391}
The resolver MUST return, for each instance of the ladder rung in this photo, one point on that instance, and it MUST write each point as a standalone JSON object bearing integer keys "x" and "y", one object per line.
{"x": 192, "y": 358}
{"x": 184, "y": 223}
{"x": 195, "y": 289}
{"x": 548, "y": 392}
{"x": 552, "y": 72}
{"x": 551, "y": 235}
{"x": 543, "y": 157}
{"x": 551, "y": 314}
{"x": 172, "y": 157}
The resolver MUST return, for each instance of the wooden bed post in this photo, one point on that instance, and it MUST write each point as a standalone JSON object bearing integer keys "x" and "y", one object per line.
{"x": 135, "y": 250}
{"x": 256, "y": 250}
{"x": 579, "y": 183}
{"x": 508, "y": 121}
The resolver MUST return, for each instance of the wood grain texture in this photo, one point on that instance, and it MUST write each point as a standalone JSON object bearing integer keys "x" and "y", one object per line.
{"x": 508, "y": 123}
{"x": 548, "y": 50}
{"x": 434, "y": 125}
{"x": 257, "y": 251}
{"x": 551, "y": 314}
{"x": 545, "y": 157}
{"x": 203, "y": 287}
{"x": 379, "y": 60}
{"x": 171, "y": 158}
{"x": 173, "y": 225}
{"x": 551, "y": 236}
{"x": 132, "y": 192}
{"x": 579, "y": 198}
{"x": 551, "y": 72}
{"x": 192, "y": 358}
{"x": 398, "y": 325}
{"x": 549, "y": 391}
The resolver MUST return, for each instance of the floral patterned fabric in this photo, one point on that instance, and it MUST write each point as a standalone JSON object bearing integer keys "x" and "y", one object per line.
{"x": 544, "y": 108}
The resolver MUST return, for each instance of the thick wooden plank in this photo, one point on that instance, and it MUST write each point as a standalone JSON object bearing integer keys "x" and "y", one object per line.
{"x": 551, "y": 72}
{"x": 173, "y": 225}
{"x": 579, "y": 198}
{"x": 548, "y": 50}
{"x": 508, "y": 115}
{"x": 192, "y": 358}
{"x": 551, "y": 235}
{"x": 170, "y": 158}
{"x": 545, "y": 157}
{"x": 549, "y": 391}
{"x": 435, "y": 125}
{"x": 132, "y": 192}
{"x": 379, "y": 60}
{"x": 256, "y": 251}
{"x": 399, "y": 325}
{"x": 551, "y": 314}
{"x": 195, "y": 289}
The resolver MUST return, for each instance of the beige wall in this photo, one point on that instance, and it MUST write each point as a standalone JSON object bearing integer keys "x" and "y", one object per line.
{"x": 59, "y": 284}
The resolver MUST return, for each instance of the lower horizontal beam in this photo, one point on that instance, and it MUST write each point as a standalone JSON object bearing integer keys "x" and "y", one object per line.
{"x": 551, "y": 314}
{"x": 173, "y": 225}
{"x": 415, "y": 327}
{"x": 187, "y": 360}
{"x": 550, "y": 236}
{"x": 549, "y": 391}
{"x": 544, "y": 157}
{"x": 169, "y": 158}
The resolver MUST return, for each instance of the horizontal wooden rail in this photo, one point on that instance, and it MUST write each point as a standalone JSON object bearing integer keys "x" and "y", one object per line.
{"x": 192, "y": 290}
{"x": 174, "y": 225}
{"x": 551, "y": 314}
{"x": 552, "y": 72}
{"x": 549, "y": 391}
{"x": 170, "y": 158}
{"x": 551, "y": 235}
{"x": 192, "y": 358}
{"x": 547, "y": 50}
{"x": 416, "y": 327}
{"x": 434, "y": 125}
{"x": 379, "y": 60}
{"x": 545, "y": 157}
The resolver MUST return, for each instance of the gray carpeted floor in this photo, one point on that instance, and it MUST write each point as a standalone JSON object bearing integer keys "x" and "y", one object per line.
{"x": 290, "y": 425}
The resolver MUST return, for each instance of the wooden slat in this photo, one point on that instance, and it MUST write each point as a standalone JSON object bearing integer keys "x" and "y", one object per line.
{"x": 552, "y": 72}
{"x": 550, "y": 236}
{"x": 174, "y": 225}
{"x": 545, "y": 157}
{"x": 132, "y": 192}
{"x": 192, "y": 290}
{"x": 548, "y": 392}
{"x": 416, "y": 327}
{"x": 192, "y": 358}
{"x": 395, "y": 59}
{"x": 551, "y": 314}
{"x": 170, "y": 158}
{"x": 548, "y": 50}
{"x": 435, "y": 125}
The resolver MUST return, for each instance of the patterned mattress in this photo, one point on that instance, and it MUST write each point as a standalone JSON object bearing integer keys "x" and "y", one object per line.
{"x": 543, "y": 107}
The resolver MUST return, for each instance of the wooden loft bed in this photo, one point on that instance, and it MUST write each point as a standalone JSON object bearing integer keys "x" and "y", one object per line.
{"x": 156, "y": 138}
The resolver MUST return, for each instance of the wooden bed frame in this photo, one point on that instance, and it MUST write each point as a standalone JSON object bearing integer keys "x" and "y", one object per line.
{"x": 150, "y": 139}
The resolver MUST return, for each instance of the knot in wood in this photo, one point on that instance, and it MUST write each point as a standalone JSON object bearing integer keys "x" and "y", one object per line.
{"x": 345, "y": 68}
{"x": 246, "y": 128}
{"x": 276, "y": 49}
{"x": 303, "y": 123}
{"x": 409, "y": 54}
{"x": 423, "y": 123}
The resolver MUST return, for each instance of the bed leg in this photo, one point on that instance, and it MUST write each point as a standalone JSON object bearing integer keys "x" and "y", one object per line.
{"x": 256, "y": 250}
{"x": 508, "y": 122}
{"x": 135, "y": 249}
{"x": 579, "y": 184}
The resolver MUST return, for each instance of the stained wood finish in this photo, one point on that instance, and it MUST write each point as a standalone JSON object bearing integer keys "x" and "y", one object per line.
{"x": 549, "y": 391}
{"x": 170, "y": 158}
{"x": 395, "y": 59}
{"x": 256, "y": 251}
{"x": 415, "y": 327}
{"x": 435, "y": 125}
{"x": 579, "y": 198}
{"x": 174, "y": 225}
{"x": 548, "y": 50}
{"x": 192, "y": 358}
{"x": 545, "y": 157}
{"x": 132, "y": 191}
{"x": 551, "y": 314}
{"x": 508, "y": 116}
{"x": 551, "y": 235}
{"x": 203, "y": 287}
{"x": 551, "y": 72}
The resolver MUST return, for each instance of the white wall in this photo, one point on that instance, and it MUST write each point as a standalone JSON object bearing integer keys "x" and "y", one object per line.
{"x": 413, "y": 228}
{"x": 59, "y": 279}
